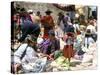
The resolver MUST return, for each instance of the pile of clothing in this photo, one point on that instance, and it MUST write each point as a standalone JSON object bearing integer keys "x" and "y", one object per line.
{"x": 35, "y": 66}
{"x": 90, "y": 53}
{"x": 89, "y": 58}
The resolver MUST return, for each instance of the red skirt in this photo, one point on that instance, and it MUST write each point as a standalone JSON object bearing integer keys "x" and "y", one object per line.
{"x": 68, "y": 51}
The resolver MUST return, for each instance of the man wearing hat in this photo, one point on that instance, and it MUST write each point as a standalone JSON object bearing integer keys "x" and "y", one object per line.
{"x": 47, "y": 22}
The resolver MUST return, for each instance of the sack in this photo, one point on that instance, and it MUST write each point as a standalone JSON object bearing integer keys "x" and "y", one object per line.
{"x": 35, "y": 67}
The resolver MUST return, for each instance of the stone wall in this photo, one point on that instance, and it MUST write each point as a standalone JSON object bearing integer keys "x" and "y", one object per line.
{"x": 42, "y": 7}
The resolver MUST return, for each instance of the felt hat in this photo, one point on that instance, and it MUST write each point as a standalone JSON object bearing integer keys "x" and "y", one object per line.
{"x": 48, "y": 11}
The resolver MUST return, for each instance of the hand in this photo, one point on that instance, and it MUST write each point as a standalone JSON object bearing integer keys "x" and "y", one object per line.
{"x": 44, "y": 55}
{"x": 17, "y": 67}
{"x": 51, "y": 55}
{"x": 51, "y": 58}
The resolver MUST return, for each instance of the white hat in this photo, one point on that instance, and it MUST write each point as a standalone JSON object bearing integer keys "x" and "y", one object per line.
{"x": 30, "y": 11}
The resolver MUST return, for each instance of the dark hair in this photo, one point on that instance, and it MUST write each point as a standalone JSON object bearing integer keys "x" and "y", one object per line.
{"x": 22, "y": 10}
{"x": 61, "y": 15}
{"x": 88, "y": 31}
{"x": 29, "y": 42}
{"x": 91, "y": 18}
{"x": 67, "y": 14}
{"x": 30, "y": 12}
{"x": 38, "y": 12}
{"x": 23, "y": 13}
{"x": 48, "y": 12}
{"x": 51, "y": 32}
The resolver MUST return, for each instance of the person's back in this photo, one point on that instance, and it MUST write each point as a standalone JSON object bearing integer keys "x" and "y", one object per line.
{"x": 30, "y": 53}
{"x": 47, "y": 20}
{"x": 37, "y": 19}
{"x": 20, "y": 50}
{"x": 69, "y": 28}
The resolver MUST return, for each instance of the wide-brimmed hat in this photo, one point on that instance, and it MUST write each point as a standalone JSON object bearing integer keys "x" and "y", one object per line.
{"x": 60, "y": 13}
{"x": 48, "y": 11}
{"x": 23, "y": 10}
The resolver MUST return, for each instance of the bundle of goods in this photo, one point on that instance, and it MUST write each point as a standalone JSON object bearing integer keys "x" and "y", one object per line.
{"x": 35, "y": 67}
{"x": 60, "y": 64}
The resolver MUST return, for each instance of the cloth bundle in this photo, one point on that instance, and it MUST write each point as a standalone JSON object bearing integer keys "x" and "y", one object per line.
{"x": 35, "y": 67}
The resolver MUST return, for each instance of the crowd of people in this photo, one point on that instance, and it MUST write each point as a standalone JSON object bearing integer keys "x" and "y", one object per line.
{"x": 37, "y": 34}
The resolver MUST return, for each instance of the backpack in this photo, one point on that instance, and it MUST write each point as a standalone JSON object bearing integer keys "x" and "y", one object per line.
{"x": 69, "y": 28}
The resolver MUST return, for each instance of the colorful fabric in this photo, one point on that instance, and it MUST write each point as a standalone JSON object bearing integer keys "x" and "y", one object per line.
{"x": 48, "y": 46}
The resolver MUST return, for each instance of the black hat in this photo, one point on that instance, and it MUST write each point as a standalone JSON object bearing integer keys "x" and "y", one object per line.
{"x": 60, "y": 13}
{"x": 22, "y": 9}
{"x": 48, "y": 11}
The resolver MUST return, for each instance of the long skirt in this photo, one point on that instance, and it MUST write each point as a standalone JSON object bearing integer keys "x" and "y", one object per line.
{"x": 68, "y": 51}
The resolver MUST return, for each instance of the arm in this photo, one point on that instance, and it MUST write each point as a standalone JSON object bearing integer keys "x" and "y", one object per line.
{"x": 51, "y": 21}
{"x": 55, "y": 46}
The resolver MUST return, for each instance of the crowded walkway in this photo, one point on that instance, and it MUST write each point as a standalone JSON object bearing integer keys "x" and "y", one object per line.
{"x": 41, "y": 43}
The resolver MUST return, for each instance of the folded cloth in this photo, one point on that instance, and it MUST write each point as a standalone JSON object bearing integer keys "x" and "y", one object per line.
{"x": 35, "y": 67}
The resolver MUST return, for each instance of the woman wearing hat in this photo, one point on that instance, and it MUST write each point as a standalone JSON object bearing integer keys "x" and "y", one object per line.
{"x": 47, "y": 22}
